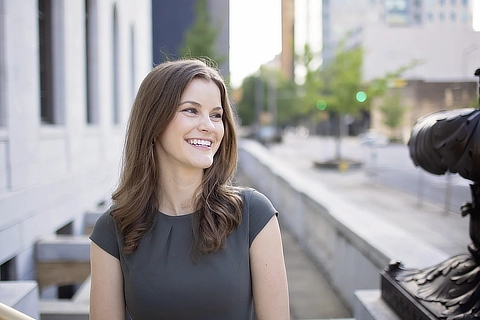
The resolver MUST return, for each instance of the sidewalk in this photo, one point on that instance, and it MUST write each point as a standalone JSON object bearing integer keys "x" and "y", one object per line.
{"x": 311, "y": 296}
{"x": 445, "y": 231}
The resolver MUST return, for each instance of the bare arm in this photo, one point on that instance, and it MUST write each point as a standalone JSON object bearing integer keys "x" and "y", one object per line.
{"x": 106, "y": 292}
{"x": 269, "y": 278}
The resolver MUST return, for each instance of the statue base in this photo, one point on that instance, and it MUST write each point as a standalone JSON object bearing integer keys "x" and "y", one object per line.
{"x": 401, "y": 300}
{"x": 449, "y": 290}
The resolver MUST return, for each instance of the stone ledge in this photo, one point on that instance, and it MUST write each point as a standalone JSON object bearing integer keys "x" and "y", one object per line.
{"x": 63, "y": 248}
{"x": 369, "y": 305}
{"x": 21, "y": 296}
{"x": 61, "y": 310}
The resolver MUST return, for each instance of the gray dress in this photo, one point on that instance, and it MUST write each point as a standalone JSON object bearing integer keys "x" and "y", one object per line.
{"x": 162, "y": 282}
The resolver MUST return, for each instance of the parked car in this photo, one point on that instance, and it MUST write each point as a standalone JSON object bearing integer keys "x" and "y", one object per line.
{"x": 373, "y": 138}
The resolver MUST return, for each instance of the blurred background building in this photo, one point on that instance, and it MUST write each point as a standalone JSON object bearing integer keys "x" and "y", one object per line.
{"x": 438, "y": 34}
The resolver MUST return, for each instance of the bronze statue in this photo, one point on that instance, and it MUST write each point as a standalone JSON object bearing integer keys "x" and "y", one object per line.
{"x": 445, "y": 141}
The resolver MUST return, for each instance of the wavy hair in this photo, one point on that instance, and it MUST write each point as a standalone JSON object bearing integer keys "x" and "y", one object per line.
{"x": 218, "y": 203}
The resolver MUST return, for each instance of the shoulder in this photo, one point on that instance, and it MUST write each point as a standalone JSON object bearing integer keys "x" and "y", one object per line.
{"x": 106, "y": 220}
{"x": 105, "y": 233}
{"x": 257, "y": 211}
{"x": 256, "y": 201}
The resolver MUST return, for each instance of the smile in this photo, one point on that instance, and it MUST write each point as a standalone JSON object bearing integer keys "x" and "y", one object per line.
{"x": 199, "y": 142}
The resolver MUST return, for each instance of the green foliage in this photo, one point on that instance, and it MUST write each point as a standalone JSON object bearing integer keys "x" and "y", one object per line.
{"x": 246, "y": 106}
{"x": 310, "y": 89}
{"x": 331, "y": 88}
{"x": 287, "y": 102}
{"x": 392, "y": 111}
{"x": 378, "y": 87}
{"x": 475, "y": 103}
{"x": 200, "y": 40}
{"x": 342, "y": 80}
{"x": 255, "y": 90}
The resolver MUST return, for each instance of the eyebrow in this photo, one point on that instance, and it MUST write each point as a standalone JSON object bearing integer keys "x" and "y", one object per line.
{"x": 198, "y": 104}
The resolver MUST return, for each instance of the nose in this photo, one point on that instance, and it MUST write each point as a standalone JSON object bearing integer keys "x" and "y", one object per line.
{"x": 206, "y": 124}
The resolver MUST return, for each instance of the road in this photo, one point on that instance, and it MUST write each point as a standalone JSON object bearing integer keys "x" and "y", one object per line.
{"x": 390, "y": 166}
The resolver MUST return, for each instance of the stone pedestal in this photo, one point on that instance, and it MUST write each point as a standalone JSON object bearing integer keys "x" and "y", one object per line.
{"x": 21, "y": 296}
{"x": 369, "y": 305}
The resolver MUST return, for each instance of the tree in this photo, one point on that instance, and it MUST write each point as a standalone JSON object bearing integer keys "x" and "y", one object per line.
{"x": 256, "y": 89}
{"x": 344, "y": 90}
{"x": 246, "y": 106}
{"x": 392, "y": 111}
{"x": 200, "y": 40}
{"x": 310, "y": 89}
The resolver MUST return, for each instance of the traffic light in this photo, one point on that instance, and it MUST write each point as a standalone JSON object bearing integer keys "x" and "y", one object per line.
{"x": 321, "y": 105}
{"x": 361, "y": 96}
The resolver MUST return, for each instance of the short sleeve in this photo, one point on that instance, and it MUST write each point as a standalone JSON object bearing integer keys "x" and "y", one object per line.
{"x": 261, "y": 210}
{"x": 104, "y": 234}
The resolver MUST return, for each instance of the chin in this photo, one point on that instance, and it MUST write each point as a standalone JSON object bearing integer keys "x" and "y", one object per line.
{"x": 202, "y": 164}
{"x": 207, "y": 166}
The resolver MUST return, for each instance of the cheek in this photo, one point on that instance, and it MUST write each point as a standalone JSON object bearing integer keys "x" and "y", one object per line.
{"x": 220, "y": 130}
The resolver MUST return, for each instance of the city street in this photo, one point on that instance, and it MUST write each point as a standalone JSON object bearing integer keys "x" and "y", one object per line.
{"x": 387, "y": 185}
{"x": 389, "y": 166}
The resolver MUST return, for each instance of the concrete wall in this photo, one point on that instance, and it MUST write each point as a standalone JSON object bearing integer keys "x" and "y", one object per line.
{"x": 348, "y": 243}
{"x": 50, "y": 175}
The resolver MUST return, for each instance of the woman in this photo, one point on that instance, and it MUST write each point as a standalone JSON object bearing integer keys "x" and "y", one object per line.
{"x": 179, "y": 241}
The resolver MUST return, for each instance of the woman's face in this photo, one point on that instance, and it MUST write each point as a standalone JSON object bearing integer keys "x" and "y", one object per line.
{"x": 194, "y": 135}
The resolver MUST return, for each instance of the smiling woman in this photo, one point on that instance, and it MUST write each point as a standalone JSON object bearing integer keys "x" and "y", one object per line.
{"x": 192, "y": 138}
{"x": 180, "y": 242}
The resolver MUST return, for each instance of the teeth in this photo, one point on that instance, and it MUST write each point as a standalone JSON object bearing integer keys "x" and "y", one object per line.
{"x": 198, "y": 142}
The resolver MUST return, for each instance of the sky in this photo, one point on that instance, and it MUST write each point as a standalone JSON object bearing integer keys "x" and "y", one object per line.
{"x": 476, "y": 15}
{"x": 255, "y": 35}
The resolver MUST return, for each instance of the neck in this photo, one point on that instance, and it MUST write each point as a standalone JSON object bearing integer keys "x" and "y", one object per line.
{"x": 177, "y": 192}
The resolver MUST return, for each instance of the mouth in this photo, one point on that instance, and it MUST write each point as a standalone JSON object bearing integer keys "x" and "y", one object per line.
{"x": 200, "y": 143}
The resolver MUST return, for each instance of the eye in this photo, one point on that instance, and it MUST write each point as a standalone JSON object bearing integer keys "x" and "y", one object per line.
{"x": 190, "y": 110}
{"x": 217, "y": 116}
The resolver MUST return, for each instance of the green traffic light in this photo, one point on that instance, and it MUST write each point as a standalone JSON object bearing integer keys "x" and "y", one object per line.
{"x": 361, "y": 96}
{"x": 321, "y": 105}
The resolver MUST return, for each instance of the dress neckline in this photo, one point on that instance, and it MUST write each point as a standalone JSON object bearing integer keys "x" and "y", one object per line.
{"x": 182, "y": 216}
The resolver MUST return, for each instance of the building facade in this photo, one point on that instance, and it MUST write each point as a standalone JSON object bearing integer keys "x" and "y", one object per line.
{"x": 69, "y": 71}
{"x": 341, "y": 17}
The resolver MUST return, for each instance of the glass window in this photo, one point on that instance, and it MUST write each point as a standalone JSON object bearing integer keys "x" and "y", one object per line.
{"x": 442, "y": 2}
{"x": 46, "y": 63}
{"x": 454, "y": 2}
{"x": 430, "y": 16}
{"x": 465, "y": 3}
{"x": 441, "y": 16}
{"x": 453, "y": 16}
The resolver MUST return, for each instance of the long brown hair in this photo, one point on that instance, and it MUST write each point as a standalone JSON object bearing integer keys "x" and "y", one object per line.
{"x": 218, "y": 204}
